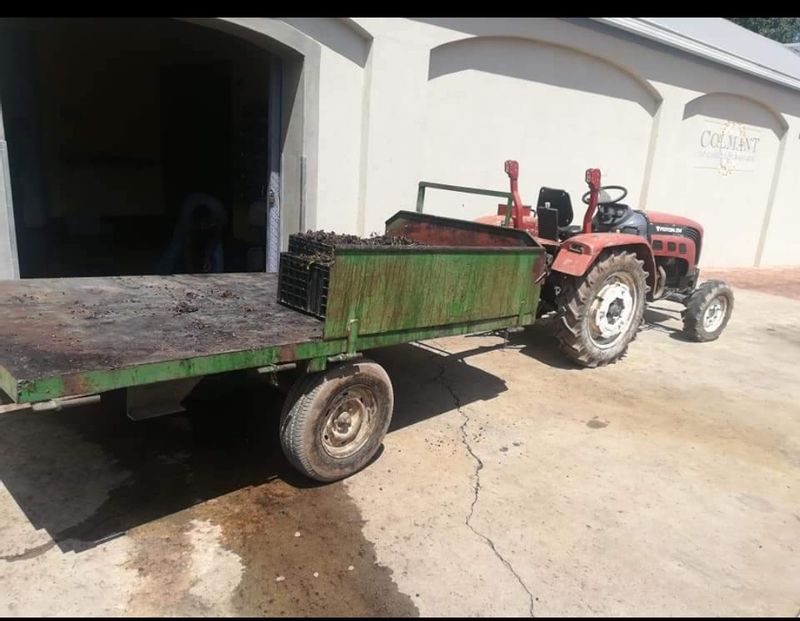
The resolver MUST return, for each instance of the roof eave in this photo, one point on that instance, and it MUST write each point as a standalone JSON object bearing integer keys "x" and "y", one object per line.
{"x": 656, "y": 32}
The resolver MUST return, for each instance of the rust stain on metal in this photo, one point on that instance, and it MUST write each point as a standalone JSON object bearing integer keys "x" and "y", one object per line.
{"x": 76, "y": 385}
{"x": 287, "y": 353}
{"x": 440, "y": 231}
{"x": 67, "y": 326}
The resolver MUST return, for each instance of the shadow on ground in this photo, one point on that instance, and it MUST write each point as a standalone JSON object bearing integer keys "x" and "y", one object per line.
{"x": 88, "y": 474}
{"x": 666, "y": 320}
{"x": 539, "y": 341}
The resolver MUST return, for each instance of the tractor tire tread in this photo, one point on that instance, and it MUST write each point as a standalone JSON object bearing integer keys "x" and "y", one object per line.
{"x": 575, "y": 297}
{"x": 695, "y": 308}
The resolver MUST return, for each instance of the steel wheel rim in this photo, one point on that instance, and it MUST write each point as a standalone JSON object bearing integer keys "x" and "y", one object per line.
{"x": 612, "y": 309}
{"x": 349, "y": 421}
{"x": 715, "y": 313}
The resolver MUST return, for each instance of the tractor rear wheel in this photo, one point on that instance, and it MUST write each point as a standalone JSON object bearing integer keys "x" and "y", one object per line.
{"x": 602, "y": 310}
{"x": 707, "y": 311}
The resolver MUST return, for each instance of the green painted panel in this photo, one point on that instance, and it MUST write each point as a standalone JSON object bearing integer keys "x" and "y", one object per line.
{"x": 91, "y": 382}
{"x": 395, "y": 289}
{"x": 408, "y": 336}
{"x": 111, "y": 379}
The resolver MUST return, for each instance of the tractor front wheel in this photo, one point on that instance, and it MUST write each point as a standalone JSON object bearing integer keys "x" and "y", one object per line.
{"x": 601, "y": 311}
{"x": 707, "y": 311}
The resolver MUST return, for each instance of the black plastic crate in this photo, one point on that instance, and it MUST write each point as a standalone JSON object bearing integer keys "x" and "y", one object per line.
{"x": 300, "y": 245}
{"x": 303, "y": 284}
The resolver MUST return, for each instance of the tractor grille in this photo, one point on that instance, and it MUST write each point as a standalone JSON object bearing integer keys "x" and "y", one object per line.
{"x": 694, "y": 235}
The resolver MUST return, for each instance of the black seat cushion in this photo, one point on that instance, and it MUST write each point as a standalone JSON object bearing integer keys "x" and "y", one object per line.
{"x": 560, "y": 201}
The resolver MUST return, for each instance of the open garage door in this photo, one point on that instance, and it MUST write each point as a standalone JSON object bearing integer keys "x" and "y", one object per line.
{"x": 137, "y": 146}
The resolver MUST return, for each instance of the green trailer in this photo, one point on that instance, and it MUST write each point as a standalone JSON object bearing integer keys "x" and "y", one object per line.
{"x": 63, "y": 341}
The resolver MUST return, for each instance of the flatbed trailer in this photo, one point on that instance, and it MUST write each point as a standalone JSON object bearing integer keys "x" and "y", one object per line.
{"x": 157, "y": 336}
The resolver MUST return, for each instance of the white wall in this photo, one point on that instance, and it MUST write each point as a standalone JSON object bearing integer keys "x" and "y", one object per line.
{"x": 731, "y": 197}
{"x": 340, "y": 93}
{"x": 449, "y": 100}
{"x": 394, "y": 125}
{"x": 556, "y": 111}
{"x": 342, "y": 77}
{"x": 781, "y": 245}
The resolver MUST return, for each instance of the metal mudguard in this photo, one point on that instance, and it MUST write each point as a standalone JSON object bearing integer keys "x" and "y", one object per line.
{"x": 579, "y": 252}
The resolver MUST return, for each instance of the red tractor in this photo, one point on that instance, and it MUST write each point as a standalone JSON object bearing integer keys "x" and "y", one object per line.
{"x": 601, "y": 274}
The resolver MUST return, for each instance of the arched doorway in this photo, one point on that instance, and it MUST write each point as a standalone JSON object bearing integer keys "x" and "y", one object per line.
{"x": 114, "y": 127}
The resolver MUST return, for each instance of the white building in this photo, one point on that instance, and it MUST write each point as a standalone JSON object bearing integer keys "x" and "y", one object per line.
{"x": 108, "y": 124}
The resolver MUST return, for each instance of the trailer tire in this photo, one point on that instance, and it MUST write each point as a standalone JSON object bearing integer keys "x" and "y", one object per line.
{"x": 708, "y": 310}
{"x": 590, "y": 306}
{"x": 333, "y": 422}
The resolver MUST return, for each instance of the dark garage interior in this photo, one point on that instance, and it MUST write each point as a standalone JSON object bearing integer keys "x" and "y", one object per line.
{"x": 136, "y": 146}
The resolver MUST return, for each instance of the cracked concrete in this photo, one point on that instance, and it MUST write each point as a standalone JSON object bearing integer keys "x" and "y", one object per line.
{"x": 477, "y": 489}
{"x": 509, "y": 483}
{"x": 663, "y": 485}
{"x": 28, "y": 554}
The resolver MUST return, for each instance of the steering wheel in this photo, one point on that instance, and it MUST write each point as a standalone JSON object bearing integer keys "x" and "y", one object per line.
{"x": 619, "y": 188}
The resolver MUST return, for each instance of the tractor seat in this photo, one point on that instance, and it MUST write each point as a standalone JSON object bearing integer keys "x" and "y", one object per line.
{"x": 554, "y": 211}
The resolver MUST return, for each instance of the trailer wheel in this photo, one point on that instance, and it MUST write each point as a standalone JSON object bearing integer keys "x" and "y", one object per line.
{"x": 601, "y": 311}
{"x": 333, "y": 422}
{"x": 707, "y": 311}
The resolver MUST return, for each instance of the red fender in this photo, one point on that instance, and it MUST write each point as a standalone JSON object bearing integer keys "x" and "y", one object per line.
{"x": 579, "y": 252}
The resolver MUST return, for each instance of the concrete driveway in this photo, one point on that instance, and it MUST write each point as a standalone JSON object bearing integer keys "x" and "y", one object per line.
{"x": 510, "y": 484}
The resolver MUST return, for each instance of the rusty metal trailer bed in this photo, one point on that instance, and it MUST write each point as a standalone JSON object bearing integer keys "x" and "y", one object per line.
{"x": 61, "y": 338}
{"x": 70, "y": 336}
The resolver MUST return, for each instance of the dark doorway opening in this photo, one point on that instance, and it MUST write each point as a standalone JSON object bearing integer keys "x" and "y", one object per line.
{"x": 136, "y": 146}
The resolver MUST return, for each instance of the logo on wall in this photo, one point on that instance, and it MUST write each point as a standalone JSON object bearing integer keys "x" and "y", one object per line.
{"x": 728, "y": 147}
